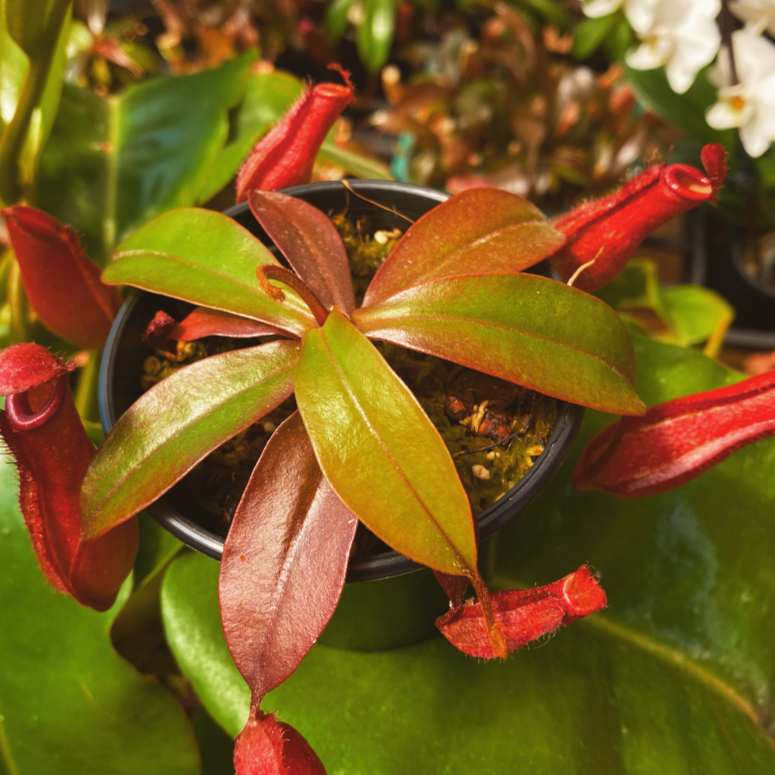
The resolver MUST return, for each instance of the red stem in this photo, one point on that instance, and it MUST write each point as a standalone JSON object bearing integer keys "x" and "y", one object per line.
{"x": 270, "y": 272}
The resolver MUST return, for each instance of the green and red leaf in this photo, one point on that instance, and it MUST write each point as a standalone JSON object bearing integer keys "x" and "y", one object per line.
{"x": 379, "y": 450}
{"x": 284, "y": 561}
{"x": 484, "y": 230}
{"x": 214, "y": 322}
{"x": 310, "y": 243}
{"x": 527, "y": 329}
{"x": 167, "y": 431}
{"x": 205, "y": 258}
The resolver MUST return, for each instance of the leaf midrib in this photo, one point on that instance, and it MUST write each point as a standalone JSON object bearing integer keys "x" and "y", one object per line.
{"x": 177, "y": 434}
{"x": 389, "y": 454}
{"x": 511, "y": 329}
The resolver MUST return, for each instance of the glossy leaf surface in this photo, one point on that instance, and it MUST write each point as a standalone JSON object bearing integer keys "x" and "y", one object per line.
{"x": 284, "y": 561}
{"x": 192, "y": 624}
{"x": 527, "y": 329}
{"x": 113, "y": 164}
{"x": 310, "y": 243}
{"x": 546, "y": 709}
{"x": 205, "y": 258}
{"x": 63, "y": 687}
{"x": 484, "y": 230}
{"x": 178, "y": 422}
{"x": 379, "y": 450}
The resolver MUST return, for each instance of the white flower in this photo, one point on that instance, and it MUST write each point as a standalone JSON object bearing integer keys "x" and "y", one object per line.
{"x": 758, "y": 15}
{"x": 749, "y": 105}
{"x": 639, "y": 13}
{"x": 595, "y": 8}
{"x": 682, "y": 35}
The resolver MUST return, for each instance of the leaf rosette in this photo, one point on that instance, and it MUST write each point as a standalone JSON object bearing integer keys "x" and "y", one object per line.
{"x": 361, "y": 446}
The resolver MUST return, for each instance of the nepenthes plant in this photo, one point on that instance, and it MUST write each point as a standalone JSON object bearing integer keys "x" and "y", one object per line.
{"x": 360, "y": 447}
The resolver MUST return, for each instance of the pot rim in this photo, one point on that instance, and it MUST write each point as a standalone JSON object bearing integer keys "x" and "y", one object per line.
{"x": 370, "y": 568}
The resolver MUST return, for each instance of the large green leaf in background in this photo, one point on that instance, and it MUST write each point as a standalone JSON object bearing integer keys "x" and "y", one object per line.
{"x": 674, "y": 678}
{"x": 68, "y": 703}
{"x": 111, "y": 164}
{"x": 14, "y": 66}
{"x": 267, "y": 97}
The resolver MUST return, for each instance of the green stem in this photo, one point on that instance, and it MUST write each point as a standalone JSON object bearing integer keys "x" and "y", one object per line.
{"x": 17, "y": 298}
{"x": 86, "y": 398}
{"x": 15, "y": 135}
{"x": 6, "y": 262}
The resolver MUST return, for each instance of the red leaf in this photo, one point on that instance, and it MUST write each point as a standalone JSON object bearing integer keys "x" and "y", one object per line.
{"x": 62, "y": 283}
{"x": 284, "y": 561}
{"x": 609, "y": 230}
{"x": 214, "y": 322}
{"x": 269, "y": 747}
{"x": 310, "y": 243}
{"x": 481, "y": 231}
{"x": 285, "y": 156}
{"x": 454, "y": 587}
{"x": 26, "y": 366}
{"x": 52, "y": 451}
{"x": 157, "y": 335}
{"x": 676, "y": 441}
{"x": 523, "y": 615}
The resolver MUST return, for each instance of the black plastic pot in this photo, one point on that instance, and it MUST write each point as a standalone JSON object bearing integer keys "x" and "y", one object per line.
{"x": 402, "y": 607}
{"x": 716, "y": 260}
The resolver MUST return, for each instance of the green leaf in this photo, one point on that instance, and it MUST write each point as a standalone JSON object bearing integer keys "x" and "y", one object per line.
{"x": 192, "y": 622}
{"x": 31, "y": 97}
{"x": 698, "y": 315}
{"x": 481, "y": 231}
{"x": 689, "y": 314}
{"x": 267, "y": 97}
{"x": 375, "y": 33}
{"x": 524, "y": 328}
{"x": 113, "y": 164}
{"x": 156, "y": 549}
{"x": 590, "y": 34}
{"x": 33, "y": 26}
{"x": 169, "y": 429}
{"x": 209, "y": 259}
{"x": 335, "y": 18}
{"x": 353, "y": 163}
{"x": 69, "y": 703}
{"x": 686, "y": 111}
{"x": 676, "y": 677}
{"x": 379, "y": 450}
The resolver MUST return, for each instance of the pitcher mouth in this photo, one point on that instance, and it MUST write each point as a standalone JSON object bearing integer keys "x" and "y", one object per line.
{"x": 687, "y": 182}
